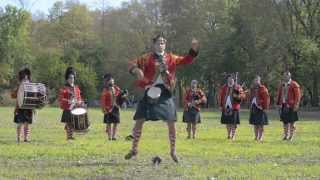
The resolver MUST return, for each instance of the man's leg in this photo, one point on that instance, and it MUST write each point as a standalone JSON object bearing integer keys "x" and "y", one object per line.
{"x": 114, "y": 131}
{"x": 137, "y": 131}
{"x": 189, "y": 130}
{"x": 194, "y": 129}
{"x": 172, "y": 139}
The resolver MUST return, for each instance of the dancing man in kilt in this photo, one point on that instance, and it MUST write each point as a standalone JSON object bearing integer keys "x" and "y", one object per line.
{"x": 158, "y": 69}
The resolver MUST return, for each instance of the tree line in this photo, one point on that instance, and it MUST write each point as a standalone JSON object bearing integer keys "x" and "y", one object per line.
{"x": 246, "y": 36}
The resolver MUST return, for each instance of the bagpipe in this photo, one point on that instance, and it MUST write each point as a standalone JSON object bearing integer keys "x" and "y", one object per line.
{"x": 237, "y": 94}
{"x": 123, "y": 97}
{"x": 237, "y": 90}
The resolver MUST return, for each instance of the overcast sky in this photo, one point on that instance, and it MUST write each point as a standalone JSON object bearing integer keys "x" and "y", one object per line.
{"x": 44, "y": 5}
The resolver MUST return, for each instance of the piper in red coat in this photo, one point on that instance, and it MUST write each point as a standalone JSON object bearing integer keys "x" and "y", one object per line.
{"x": 230, "y": 97}
{"x": 288, "y": 100}
{"x": 260, "y": 101}
{"x": 194, "y": 97}
{"x": 109, "y": 106}
{"x": 69, "y": 98}
{"x": 158, "y": 68}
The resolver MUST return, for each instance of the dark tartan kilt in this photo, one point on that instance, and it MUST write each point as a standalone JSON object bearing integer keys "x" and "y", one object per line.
{"x": 258, "y": 116}
{"x": 163, "y": 109}
{"x": 23, "y": 116}
{"x": 288, "y": 115}
{"x": 66, "y": 116}
{"x": 112, "y": 117}
{"x": 234, "y": 118}
{"x": 191, "y": 116}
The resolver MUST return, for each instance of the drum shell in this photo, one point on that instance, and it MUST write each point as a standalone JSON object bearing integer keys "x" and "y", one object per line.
{"x": 80, "y": 123}
{"x": 31, "y": 96}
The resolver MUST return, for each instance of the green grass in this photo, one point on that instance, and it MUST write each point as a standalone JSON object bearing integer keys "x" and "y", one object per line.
{"x": 210, "y": 156}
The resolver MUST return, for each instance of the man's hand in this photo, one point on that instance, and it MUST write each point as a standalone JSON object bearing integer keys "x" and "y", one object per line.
{"x": 296, "y": 107}
{"x": 139, "y": 73}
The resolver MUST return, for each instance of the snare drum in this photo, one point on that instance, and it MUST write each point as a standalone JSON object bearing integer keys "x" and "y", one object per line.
{"x": 153, "y": 94}
{"x": 80, "y": 121}
{"x": 32, "y": 96}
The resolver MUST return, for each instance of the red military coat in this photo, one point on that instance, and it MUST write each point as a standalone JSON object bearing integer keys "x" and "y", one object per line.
{"x": 294, "y": 95}
{"x": 65, "y": 96}
{"x": 108, "y": 99}
{"x": 262, "y": 95}
{"x": 223, "y": 95}
{"x": 189, "y": 98}
{"x": 148, "y": 64}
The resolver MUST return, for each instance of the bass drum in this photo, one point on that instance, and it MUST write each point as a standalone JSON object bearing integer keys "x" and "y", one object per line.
{"x": 32, "y": 96}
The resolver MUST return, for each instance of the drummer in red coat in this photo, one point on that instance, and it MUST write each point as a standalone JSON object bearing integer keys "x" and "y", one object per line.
{"x": 110, "y": 108}
{"x": 260, "y": 101}
{"x": 23, "y": 117}
{"x": 288, "y": 100}
{"x": 230, "y": 97}
{"x": 156, "y": 70}
{"x": 69, "y": 98}
{"x": 194, "y": 97}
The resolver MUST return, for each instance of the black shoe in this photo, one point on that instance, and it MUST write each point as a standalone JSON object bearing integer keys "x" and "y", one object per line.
{"x": 130, "y": 155}
{"x": 156, "y": 160}
{"x": 174, "y": 158}
{"x": 113, "y": 139}
{"x": 129, "y": 138}
{"x": 71, "y": 138}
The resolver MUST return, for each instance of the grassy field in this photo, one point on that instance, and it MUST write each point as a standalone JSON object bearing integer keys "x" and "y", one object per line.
{"x": 210, "y": 156}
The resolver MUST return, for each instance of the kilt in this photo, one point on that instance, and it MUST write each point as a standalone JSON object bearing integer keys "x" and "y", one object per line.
{"x": 288, "y": 115}
{"x": 112, "y": 117}
{"x": 66, "y": 116}
{"x": 258, "y": 116}
{"x": 163, "y": 109}
{"x": 23, "y": 116}
{"x": 191, "y": 116}
{"x": 234, "y": 118}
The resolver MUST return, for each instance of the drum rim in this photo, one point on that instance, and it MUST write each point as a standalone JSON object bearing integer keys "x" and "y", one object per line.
{"x": 76, "y": 114}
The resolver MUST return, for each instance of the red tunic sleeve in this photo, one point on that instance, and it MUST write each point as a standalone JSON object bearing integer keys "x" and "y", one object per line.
{"x": 78, "y": 94}
{"x": 264, "y": 97}
{"x": 222, "y": 95}
{"x": 106, "y": 101}
{"x": 63, "y": 98}
{"x": 279, "y": 95}
{"x": 297, "y": 93}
